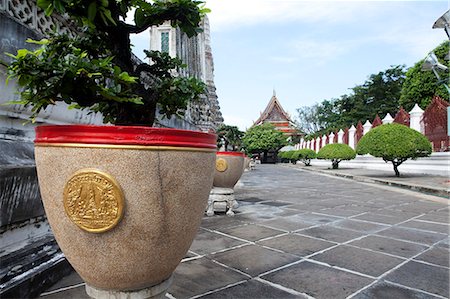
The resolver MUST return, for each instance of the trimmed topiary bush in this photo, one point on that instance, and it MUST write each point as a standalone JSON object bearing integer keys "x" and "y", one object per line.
{"x": 336, "y": 152}
{"x": 394, "y": 143}
{"x": 305, "y": 155}
{"x": 290, "y": 156}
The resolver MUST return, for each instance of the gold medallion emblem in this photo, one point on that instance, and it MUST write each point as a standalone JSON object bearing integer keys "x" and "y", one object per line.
{"x": 93, "y": 200}
{"x": 221, "y": 165}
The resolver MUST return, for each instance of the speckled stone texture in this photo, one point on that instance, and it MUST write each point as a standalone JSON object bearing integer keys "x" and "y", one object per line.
{"x": 246, "y": 163}
{"x": 165, "y": 196}
{"x": 229, "y": 177}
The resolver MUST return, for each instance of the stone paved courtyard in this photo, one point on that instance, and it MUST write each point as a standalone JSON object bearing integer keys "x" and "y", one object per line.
{"x": 299, "y": 234}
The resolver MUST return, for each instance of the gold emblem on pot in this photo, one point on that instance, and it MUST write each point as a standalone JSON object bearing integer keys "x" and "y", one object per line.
{"x": 93, "y": 200}
{"x": 221, "y": 165}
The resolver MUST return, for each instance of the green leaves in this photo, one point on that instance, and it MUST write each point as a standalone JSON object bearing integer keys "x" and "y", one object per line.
{"x": 336, "y": 151}
{"x": 229, "y": 136}
{"x": 420, "y": 86}
{"x": 92, "y": 11}
{"x": 394, "y": 143}
{"x": 61, "y": 71}
{"x": 263, "y": 138}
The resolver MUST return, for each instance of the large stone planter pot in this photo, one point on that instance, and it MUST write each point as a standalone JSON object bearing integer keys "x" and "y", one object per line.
{"x": 229, "y": 169}
{"x": 124, "y": 203}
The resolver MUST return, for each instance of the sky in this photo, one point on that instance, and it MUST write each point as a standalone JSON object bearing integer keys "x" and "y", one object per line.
{"x": 308, "y": 51}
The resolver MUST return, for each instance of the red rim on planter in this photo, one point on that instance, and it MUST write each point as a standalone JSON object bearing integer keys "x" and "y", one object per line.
{"x": 122, "y": 135}
{"x": 238, "y": 154}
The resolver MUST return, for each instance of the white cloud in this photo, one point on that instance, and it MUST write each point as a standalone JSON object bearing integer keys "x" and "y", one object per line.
{"x": 229, "y": 14}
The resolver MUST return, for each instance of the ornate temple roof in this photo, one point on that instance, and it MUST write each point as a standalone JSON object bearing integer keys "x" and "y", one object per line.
{"x": 277, "y": 116}
{"x": 273, "y": 113}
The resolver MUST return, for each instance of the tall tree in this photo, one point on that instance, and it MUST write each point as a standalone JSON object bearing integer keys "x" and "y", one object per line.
{"x": 307, "y": 119}
{"x": 378, "y": 95}
{"x": 263, "y": 138}
{"x": 420, "y": 86}
{"x": 229, "y": 136}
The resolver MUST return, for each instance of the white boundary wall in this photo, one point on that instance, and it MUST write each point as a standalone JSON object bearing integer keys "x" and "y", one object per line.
{"x": 436, "y": 164}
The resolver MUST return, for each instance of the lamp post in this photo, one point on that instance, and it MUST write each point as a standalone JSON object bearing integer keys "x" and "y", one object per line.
{"x": 431, "y": 63}
{"x": 443, "y": 22}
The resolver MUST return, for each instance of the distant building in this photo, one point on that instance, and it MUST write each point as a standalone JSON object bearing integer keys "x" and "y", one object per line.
{"x": 196, "y": 53}
{"x": 275, "y": 115}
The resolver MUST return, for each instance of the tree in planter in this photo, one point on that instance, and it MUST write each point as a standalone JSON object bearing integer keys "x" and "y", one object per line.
{"x": 263, "y": 138}
{"x": 305, "y": 155}
{"x": 394, "y": 143}
{"x": 229, "y": 136}
{"x": 94, "y": 69}
{"x": 336, "y": 152}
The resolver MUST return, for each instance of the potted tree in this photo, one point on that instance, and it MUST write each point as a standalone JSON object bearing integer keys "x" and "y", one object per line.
{"x": 125, "y": 200}
{"x": 229, "y": 169}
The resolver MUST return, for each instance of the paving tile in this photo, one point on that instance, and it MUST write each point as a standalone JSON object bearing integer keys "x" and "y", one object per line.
{"x": 253, "y": 259}
{"x": 435, "y": 255}
{"x": 413, "y": 235}
{"x": 359, "y": 260}
{"x": 360, "y": 226}
{"x": 258, "y": 213}
{"x": 72, "y": 293}
{"x": 249, "y": 199}
{"x": 251, "y": 232}
{"x": 385, "y": 290}
{"x": 286, "y": 223}
{"x": 331, "y": 233}
{"x": 315, "y": 218}
{"x": 444, "y": 243}
{"x": 208, "y": 242}
{"x": 190, "y": 254}
{"x": 400, "y": 215}
{"x": 276, "y": 203}
{"x": 296, "y": 244}
{"x": 222, "y": 221}
{"x": 390, "y": 246}
{"x": 200, "y": 276}
{"x": 67, "y": 281}
{"x": 440, "y": 217}
{"x": 308, "y": 207}
{"x": 378, "y": 218}
{"x": 318, "y": 281}
{"x": 341, "y": 212}
{"x": 421, "y": 207}
{"x": 433, "y": 227}
{"x": 251, "y": 289}
{"x": 421, "y": 276}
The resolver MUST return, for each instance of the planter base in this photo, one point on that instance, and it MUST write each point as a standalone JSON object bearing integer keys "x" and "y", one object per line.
{"x": 155, "y": 292}
{"x": 221, "y": 200}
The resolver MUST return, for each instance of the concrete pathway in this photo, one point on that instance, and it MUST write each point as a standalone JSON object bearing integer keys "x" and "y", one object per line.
{"x": 300, "y": 234}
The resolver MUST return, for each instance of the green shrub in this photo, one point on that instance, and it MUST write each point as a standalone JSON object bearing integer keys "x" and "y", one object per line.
{"x": 305, "y": 155}
{"x": 394, "y": 143}
{"x": 336, "y": 152}
{"x": 287, "y": 156}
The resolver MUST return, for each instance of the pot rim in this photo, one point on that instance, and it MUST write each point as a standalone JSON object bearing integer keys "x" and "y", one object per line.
{"x": 238, "y": 154}
{"x": 72, "y": 135}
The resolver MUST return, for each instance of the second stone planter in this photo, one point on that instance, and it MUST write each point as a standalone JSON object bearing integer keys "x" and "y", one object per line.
{"x": 229, "y": 168}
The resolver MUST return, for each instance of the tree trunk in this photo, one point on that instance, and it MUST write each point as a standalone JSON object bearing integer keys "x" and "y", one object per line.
{"x": 397, "y": 173}
{"x": 335, "y": 163}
